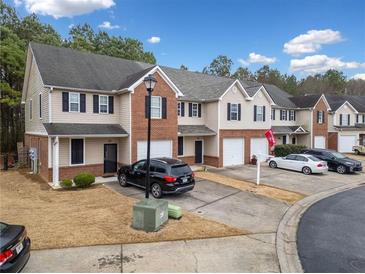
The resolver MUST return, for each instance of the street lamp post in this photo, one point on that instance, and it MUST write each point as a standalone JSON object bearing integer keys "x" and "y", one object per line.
{"x": 150, "y": 83}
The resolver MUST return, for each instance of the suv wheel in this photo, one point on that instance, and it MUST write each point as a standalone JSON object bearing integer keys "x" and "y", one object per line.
{"x": 122, "y": 179}
{"x": 341, "y": 169}
{"x": 306, "y": 170}
{"x": 156, "y": 191}
{"x": 273, "y": 164}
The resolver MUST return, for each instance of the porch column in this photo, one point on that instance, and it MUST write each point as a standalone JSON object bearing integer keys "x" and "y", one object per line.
{"x": 55, "y": 161}
{"x": 288, "y": 141}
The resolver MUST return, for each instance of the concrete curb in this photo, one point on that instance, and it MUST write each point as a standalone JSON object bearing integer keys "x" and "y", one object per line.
{"x": 286, "y": 236}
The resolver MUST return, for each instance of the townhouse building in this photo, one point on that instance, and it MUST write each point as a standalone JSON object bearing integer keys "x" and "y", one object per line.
{"x": 87, "y": 112}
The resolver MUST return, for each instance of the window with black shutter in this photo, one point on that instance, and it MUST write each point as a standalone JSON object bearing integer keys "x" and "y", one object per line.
{"x": 255, "y": 113}
{"x": 40, "y": 106}
{"x": 180, "y": 146}
{"x": 77, "y": 151}
{"x": 228, "y": 111}
{"x": 190, "y": 109}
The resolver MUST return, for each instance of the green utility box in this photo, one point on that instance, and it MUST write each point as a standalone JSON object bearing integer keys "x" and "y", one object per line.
{"x": 150, "y": 214}
{"x": 175, "y": 212}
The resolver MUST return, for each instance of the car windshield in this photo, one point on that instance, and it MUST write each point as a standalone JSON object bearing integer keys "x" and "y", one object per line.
{"x": 314, "y": 159}
{"x": 180, "y": 170}
{"x": 338, "y": 155}
{"x": 3, "y": 227}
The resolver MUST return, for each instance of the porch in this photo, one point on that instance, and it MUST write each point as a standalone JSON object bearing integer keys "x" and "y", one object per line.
{"x": 295, "y": 135}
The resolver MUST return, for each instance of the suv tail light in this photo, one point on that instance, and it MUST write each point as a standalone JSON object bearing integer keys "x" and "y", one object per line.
{"x": 4, "y": 256}
{"x": 193, "y": 175}
{"x": 169, "y": 179}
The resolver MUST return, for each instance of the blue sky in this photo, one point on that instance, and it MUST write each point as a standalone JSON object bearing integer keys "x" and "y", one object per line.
{"x": 318, "y": 34}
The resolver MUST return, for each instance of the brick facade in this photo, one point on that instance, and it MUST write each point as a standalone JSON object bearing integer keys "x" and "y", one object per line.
{"x": 69, "y": 172}
{"x": 162, "y": 129}
{"x": 247, "y": 134}
{"x": 41, "y": 144}
{"x": 190, "y": 160}
{"x": 333, "y": 140}
{"x": 320, "y": 129}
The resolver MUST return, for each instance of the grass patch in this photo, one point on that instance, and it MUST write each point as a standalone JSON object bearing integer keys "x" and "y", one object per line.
{"x": 263, "y": 190}
{"x": 84, "y": 217}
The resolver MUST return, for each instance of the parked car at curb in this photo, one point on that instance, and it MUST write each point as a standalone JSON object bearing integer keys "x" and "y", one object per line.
{"x": 299, "y": 162}
{"x": 14, "y": 247}
{"x": 167, "y": 176}
{"x": 336, "y": 161}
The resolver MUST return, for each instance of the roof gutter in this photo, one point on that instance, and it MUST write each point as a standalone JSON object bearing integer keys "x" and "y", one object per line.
{"x": 81, "y": 89}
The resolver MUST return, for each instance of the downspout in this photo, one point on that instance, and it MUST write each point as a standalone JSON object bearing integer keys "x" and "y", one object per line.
{"x": 50, "y": 105}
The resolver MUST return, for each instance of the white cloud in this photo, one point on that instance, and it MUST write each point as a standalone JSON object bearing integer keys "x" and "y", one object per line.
{"x": 70, "y": 26}
{"x": 258, "y": 59}
{"x": 154, "y": 40}
{"x": 359, "y": 76}
{"x": 65, "y": 8}
{"x": 17, "y": 3}
{"x": 321, "y": 63}
{"x": 108, "y": 25}
{"x": 311, "y": 41}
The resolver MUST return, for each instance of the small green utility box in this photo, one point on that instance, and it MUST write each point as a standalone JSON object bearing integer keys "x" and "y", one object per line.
{"x": 175, "y": 212}
{"x": 150, "y": 214}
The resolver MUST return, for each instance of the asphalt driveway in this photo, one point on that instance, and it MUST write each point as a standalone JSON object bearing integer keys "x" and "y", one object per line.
{"x": 291, "y": 180}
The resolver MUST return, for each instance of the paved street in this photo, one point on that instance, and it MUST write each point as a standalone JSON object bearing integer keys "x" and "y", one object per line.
{"x": 331, "y": 234}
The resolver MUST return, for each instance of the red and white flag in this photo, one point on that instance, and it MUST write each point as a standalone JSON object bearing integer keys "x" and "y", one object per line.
{"x": 270, "y": 137}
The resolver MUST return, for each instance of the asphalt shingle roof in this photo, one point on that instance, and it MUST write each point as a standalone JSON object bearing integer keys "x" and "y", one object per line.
{"x": 284, "y": 129}
{"x": 195, "y": 130}
{"x": 357, "y": 101}
{"x": 280, "y": 97}
{"x": 305, "y": 101}
{"x": 69, "y": 129}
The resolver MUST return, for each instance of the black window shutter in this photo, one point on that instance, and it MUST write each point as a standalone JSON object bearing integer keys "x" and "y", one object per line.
{"x": 190, "y": 110}
{"x": 340, "y": 119}
{"x": 111, "y": 104}
{"x": 228, "y": 111}
{"x": 264, "y": 113}
{"x": 146, "y": 107}
{"x": 323, "y": 118}
{"x": 317, "y": 117}
{"x": 286, "y": 115}
{"x": 164, "y": 108}
{"x": 182, "y": 109}
{"x": 40, "y": 105}
{"x": 363, "y": 118}
{"x": 348, "y": 119}
{"x": 295, "y": 115}
{"x": 239, "y": 112}
{"x": 180, "y": 146}
{"x": 65, "y": 101}
{"x": 281, "y": 115}
{"x": 82, "y": 102}
{"x": 199, "y": 110}
{"x": 255, "y": 113}
{"x": 96, "y": 103}
{"x": 357, "y": 118}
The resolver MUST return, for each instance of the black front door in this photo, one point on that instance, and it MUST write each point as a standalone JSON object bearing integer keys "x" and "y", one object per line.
{"x": 110, "y": 158}
{"x": 198, "y": 152}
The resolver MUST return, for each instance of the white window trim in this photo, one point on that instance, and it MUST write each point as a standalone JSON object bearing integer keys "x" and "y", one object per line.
{"x": 320, "y": 117}
{"x": 179, "y": 109}
{"x": 291, "y": 115}
{"x": 107, "y": 104}
{"x": 230, "y": 112}
{"x": 160, "y": 108}
{"x": 40, "y": 106}
{"x": 257, "y": 113}
{"x": 78, "y": 102}
{"x": 192, "y": 110}
{"x": 30, "y": 109}
{"x": 70, "y": 152}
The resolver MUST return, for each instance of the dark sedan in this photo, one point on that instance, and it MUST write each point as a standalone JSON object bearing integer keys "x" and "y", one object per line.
{"x": 167, "y": 176}
{"x": 14, "y": 247}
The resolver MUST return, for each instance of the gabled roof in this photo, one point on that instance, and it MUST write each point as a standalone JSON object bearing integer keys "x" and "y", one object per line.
{"x": 289, "y": 130}
{"x": 356, "y": 101}
{"x": 280, "y": 97}
{"x": 195, "y": 130}
{"x": 71, "y": 129}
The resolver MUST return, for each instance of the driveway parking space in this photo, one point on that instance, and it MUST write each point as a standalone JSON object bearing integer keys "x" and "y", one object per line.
{"x": 291, "y": 180}
{"x": 224, "y": 204}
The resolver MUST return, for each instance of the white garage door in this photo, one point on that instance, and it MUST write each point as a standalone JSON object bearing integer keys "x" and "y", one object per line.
{"x": 161, "y": 148}
{"x": 345, "y": 143}
{"x": 319, "y": 142}
{"x": 259, "y": 146}
{"x": 233, "y": 153}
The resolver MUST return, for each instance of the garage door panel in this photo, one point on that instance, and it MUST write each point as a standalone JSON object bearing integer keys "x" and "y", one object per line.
{"x": 319, "y": 142}
{"x": 233, "y": 151}
{"x": 346, "y": 142}
{"x": 159, "y": 148}
{"x": 259, "y": 146}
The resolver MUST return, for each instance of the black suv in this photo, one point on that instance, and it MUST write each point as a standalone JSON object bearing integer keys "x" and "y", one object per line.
{"x": 335, "y": 160}
{"x": 167, "y": 176}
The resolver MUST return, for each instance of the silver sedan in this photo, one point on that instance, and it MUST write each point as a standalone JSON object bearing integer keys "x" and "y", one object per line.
{"x": 300, "y": 162}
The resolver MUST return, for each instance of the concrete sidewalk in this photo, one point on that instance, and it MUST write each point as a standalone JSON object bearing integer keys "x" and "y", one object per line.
{"x": 249, "y": 253}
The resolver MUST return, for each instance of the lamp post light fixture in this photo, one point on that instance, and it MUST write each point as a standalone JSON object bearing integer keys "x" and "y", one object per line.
{"x": 150, "y": 83}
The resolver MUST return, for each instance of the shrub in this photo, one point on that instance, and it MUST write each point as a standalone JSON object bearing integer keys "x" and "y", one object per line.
{"x": 84, "y": 179}
{"x": 66, "y": 183}
{"x": 284, "y": 150}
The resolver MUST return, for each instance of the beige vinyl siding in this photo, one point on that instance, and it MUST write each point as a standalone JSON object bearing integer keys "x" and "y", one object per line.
{"x": 64, "y": 153}
{"x": 345, "y": 110}
{"x": 58, "y": 116}
{"x": 186, "y": 120}
{"x": 247, "y": 111}
{"x": 211, "y": 117}
{"x": 124, "y": 111}
{"x": 35, "y": 87}
{"x": 124, "y": 156}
